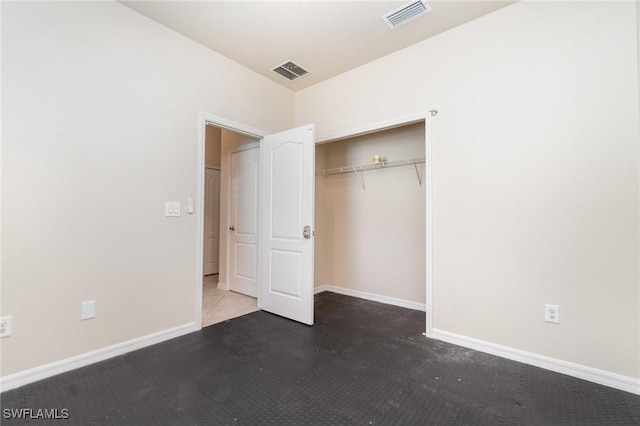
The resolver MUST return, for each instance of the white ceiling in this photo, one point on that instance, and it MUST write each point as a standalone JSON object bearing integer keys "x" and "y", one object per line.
{"x": 326, "y": 37}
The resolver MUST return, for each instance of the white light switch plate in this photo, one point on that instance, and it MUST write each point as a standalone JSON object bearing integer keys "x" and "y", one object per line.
{"x": 172, "y": 209}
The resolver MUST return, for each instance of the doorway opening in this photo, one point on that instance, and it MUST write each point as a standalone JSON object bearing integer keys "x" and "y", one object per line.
{"x": 282, "y": 222}
{"x": 229, "y": 274}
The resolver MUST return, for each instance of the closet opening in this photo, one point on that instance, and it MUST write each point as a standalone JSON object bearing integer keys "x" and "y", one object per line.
{"x": 370, "y": 216}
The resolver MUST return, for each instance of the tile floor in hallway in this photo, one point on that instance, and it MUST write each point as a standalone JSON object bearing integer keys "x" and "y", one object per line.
{"x": 220, "y": 305}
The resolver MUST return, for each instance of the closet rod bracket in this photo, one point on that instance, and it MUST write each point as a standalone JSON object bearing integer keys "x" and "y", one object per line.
{"x": 415, "y": 164}
{"x": 361, "y": 177}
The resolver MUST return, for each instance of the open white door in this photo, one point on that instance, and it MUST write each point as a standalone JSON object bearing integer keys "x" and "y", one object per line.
{"x": 243, "y": 230}
{"x": 287, "y": 197}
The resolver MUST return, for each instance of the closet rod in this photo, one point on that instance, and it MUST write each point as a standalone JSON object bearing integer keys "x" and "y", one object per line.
{"x": 373, "y": 166}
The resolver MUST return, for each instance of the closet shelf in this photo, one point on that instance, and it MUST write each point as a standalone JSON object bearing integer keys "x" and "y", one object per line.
{"x": 371, "y": 166}
{"x": 375, "y": 166}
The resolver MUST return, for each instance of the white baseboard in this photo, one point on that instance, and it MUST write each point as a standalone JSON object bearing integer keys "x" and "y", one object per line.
{"x": 594, "y": 375}
{"x": 223, "y": 286}
{"x": 31, "y": 375}
{"x": 601, "y": 377}
{"x": 373, "y": 297}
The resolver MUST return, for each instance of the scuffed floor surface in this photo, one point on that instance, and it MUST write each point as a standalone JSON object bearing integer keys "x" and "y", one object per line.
{"x": 363, "y": 363}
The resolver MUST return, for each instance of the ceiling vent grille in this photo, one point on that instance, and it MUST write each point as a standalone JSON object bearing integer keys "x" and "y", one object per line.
{"x": 290, "y": 70}
{"x": 406, "y": 13}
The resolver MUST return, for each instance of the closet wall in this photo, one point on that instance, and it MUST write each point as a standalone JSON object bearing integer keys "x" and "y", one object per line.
{"x": 372, "y": 240}
{"x": 213, "y": 143}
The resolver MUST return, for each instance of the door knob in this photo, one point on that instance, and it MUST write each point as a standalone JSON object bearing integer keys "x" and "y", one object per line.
{"x": 306, "y": 232}
{"x": 232, "y": 228}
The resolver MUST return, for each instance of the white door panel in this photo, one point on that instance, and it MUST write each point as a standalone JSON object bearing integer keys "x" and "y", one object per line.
{"x": 286, "y": 273}
{"x": 286, "y": 191}
{"x": 243, "y": 233}
{"x": 287, "y": 177}
{"x": 248, "y": 256}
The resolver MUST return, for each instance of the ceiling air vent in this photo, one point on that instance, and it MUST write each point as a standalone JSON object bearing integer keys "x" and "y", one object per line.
{"x": 406, "y": 13}
{"x": 290, "y": 70}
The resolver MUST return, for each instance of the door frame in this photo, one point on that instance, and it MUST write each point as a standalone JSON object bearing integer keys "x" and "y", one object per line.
{"x": 204, "y": 119}
{"x": 426, "y": 117}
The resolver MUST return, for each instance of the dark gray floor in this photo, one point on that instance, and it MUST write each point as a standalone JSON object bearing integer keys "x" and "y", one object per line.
{"x": 362, "y": 363}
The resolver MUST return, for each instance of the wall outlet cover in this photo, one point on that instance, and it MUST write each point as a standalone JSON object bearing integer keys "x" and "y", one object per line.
{"x": 88, "y": 310}
{"x": 6, "y": 326}
{"x": 552, "y": 313}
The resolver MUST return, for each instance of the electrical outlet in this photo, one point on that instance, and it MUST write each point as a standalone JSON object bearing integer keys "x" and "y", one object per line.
{"x": 88, "y": 309}
{"x": 6, "y": 324}
{"x": 552, "y": 313}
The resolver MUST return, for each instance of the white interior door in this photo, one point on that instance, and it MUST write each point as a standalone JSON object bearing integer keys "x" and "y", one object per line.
{"x": 287, "y": 186}
{"x": 243, "y": 229}
{"x": 212, "y": 222}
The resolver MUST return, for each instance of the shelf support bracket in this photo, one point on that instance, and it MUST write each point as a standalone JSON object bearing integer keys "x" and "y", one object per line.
{"x": 415, "y": 164}
{"x": 359, "y": 173}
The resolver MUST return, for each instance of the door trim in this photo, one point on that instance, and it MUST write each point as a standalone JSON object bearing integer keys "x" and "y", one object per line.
{"x": 425, "y": 117}
{"x": 376, "y": 127}
{"x": 204, "y": 119}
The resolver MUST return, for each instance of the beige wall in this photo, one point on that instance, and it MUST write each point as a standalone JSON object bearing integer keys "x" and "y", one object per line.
{"x": 535, "y": 172}
{"x": 83, "y": 210}
{"x": 213, "y": 146}
{"x": 372, "y": 240}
